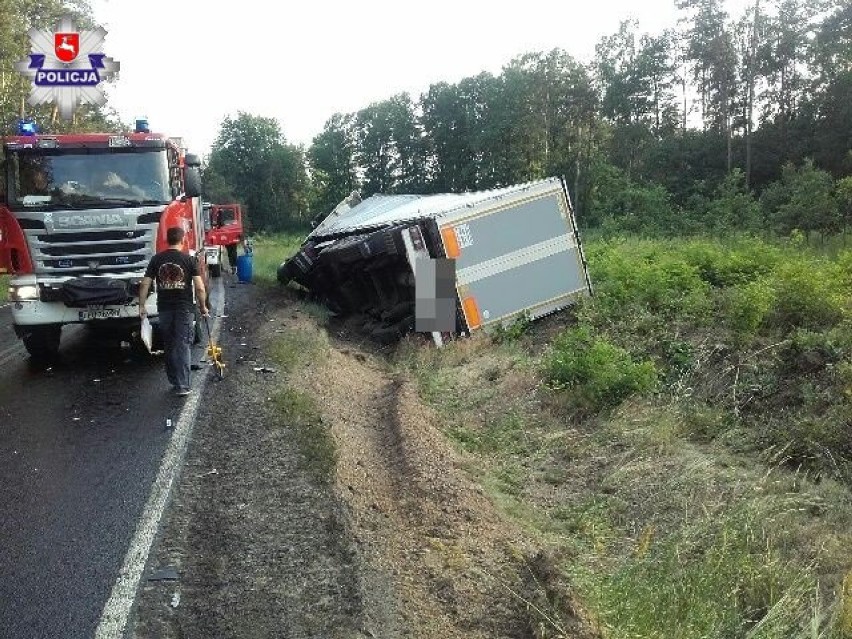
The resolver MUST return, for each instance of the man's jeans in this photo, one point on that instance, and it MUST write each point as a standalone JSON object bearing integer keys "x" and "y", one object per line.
{"x": 177, "y": 331}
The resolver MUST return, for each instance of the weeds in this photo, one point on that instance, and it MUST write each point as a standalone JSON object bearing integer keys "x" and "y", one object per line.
{"x": 299, "y": 412}
{"x": 699, "y": 480}
{"x": 295, "y": 348}
{"x": 513, "y": 331}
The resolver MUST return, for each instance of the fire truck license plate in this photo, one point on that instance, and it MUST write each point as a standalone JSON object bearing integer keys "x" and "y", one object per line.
{"x": 99, "y": 313}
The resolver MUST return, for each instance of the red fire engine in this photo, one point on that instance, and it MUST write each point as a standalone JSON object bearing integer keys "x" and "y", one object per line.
{"x": 81, "y": 216}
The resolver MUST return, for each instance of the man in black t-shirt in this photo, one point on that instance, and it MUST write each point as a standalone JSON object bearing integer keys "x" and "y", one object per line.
{"x": 175, "y": 274}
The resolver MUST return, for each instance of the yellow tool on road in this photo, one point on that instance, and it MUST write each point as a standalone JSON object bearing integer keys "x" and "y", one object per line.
{"x": 214, "y": 352}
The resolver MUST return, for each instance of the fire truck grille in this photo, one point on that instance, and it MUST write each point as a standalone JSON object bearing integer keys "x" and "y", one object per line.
{"x": 117, "y": 261}
{"x": 91, "y": 252}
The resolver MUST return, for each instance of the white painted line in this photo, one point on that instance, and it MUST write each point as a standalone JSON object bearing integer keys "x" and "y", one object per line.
{"x": 10, "y": 352}
{"x": 116, "y": 612}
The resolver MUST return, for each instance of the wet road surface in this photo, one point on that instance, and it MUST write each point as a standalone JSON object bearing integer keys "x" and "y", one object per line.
{"x": 80, "y": 444}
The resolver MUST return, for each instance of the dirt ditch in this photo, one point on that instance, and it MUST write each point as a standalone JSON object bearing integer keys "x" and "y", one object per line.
{"x": 399, "y": 541}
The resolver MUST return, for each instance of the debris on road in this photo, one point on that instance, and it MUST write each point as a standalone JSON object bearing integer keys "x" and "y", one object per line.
{"x": 168, "y": 573}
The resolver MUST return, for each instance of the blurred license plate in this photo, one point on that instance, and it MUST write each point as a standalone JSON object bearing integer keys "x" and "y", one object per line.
{"x": 99, "y": 313}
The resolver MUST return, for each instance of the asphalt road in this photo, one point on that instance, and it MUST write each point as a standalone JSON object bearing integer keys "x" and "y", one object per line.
{"x": 80, "y": 444}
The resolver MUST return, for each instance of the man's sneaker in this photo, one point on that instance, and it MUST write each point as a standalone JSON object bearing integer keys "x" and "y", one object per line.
{"x": 181, "y": 392}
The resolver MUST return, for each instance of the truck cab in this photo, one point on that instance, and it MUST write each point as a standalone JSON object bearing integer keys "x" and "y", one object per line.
{"x": 81, "y": 216}
{"x": 223, "y": 227}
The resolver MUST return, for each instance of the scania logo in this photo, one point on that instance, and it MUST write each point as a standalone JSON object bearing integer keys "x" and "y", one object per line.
{"x": 84, "y": 221}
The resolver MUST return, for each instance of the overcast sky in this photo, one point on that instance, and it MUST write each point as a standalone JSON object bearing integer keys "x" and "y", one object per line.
{"x": 187, "y": 65}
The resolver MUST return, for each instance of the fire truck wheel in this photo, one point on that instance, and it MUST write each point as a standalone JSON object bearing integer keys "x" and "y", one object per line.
{"x": 42, "y": 342}
{"x": 215, "y": 270}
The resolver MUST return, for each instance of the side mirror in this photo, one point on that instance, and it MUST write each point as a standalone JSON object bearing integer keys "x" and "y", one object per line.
{"x": 192, "y": 182}
{"x": 191, "y": 160}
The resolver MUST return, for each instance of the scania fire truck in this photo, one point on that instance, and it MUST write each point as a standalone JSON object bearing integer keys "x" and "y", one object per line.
{"x": 81, "y": 216}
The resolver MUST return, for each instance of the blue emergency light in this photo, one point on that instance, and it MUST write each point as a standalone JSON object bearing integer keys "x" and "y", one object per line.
{"x": 27, "y": 126}
{"x": 142, "y": 125}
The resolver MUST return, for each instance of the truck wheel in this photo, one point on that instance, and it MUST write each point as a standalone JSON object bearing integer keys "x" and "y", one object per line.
{"x": 215, "y": 270}
{"x": 42, "y": 342}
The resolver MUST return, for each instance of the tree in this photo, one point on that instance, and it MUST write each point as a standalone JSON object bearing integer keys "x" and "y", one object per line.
{"x": 215, "y": 187}
{"x": 712, "y": 52}
{"x": 261, "y": 170}
{"x": 332, "y": 163}
{"x": 844, "y": 200}
{"x": 782, "y": 57}
{"x": 803, "y": 199}
{"x": 732, "y": 207}
{"x": 390, "y": 148}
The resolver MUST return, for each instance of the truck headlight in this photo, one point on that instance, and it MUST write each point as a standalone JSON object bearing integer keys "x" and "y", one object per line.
{"x": 21, "y": 293}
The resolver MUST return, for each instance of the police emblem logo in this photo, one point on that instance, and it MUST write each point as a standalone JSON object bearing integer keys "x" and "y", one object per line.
{"x": 67, "y": 67}
{"x": 66, "y": 46}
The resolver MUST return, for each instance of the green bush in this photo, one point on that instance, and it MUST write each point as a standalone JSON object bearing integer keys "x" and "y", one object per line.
{"x": 598, "y": 374}
{"x": 807, "y": 295}
{"x": 630, "y": 274}
{"x": 746, "y": 307}
{"x": 723, "y": 265}
{"x": 844, "y": 267}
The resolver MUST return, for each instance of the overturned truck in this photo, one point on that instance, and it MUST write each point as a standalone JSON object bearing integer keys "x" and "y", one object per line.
{"x": 445, "y": 264}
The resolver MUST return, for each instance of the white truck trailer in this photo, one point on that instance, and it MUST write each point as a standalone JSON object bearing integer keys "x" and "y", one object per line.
{"x": 511, "y": 252}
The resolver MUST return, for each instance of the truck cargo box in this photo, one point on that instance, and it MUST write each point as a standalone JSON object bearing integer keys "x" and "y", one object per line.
{"x": 514, "y": 251}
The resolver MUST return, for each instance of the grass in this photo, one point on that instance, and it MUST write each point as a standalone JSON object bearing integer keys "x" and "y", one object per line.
{"x": 714, "y": 578}
{"x": 4, "y": 288}
{"x": 270, "y": 251}
{"x": 296, "y": 348}
{"x": 298, "y": 410}
{"x": 685, "y": 441}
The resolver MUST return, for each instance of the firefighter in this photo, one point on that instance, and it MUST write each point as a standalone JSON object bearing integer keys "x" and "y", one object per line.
{"x": 232, "y": 251}
{"x": 175, "y": 273}
{"x": 232, "y": 256}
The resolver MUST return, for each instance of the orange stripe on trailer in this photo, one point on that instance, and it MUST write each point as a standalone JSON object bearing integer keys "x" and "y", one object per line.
{"x": 471, "y": 313}
{"x": 451, "y": 243}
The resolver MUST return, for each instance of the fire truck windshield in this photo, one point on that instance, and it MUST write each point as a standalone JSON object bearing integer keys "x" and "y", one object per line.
{"x": 92, "y": 178}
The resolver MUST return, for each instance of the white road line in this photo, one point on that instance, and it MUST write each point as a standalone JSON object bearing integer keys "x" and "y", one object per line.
{"x": 113, "y": 622}
{"x": 11, "y": 351}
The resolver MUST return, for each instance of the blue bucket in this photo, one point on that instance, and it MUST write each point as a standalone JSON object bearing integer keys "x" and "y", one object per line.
{"x": 244, "y": 267}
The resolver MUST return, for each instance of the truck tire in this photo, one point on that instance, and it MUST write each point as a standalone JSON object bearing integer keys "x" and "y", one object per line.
{"x": 215, "y": 270}
{"x": 42, "y": 342}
